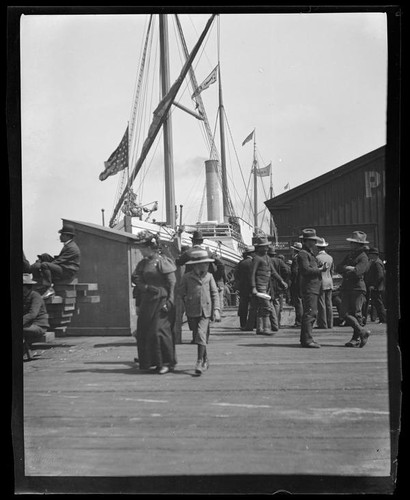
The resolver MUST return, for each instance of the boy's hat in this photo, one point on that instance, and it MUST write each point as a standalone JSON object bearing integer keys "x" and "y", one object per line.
{"x": 27, "y": 279}
{"x": 321, "y": 243}
{"x": 358, "y": 237}
{"x": 373, "y": 250}
{"x": 199, "y": 256}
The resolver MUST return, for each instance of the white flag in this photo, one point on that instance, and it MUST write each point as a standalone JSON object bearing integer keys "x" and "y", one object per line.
{"x": 209, "y": 80}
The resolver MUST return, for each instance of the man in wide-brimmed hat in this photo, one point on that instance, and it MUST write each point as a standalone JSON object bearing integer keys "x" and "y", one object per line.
{"x": 35, "y": 316}
{"x": 242, "y": 275}
{"x": 325, "y": 306}
{"x": 374, "y": 279}
{"x": 63, "y": 267}
{"x": 353, "y": 288}
{"x": 295, "y": 294}
{"x": 201, "y": 298}
{"x": 310, "y": 272}
{"x": 262, "y": 273}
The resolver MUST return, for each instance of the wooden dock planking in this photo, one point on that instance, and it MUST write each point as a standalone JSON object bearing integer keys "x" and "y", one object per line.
{"x": 266, "y": 406}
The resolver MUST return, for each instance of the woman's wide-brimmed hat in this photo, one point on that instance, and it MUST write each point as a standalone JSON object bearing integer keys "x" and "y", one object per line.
{"x": 261, "y": 241}
{"x": 322, "y": 243}
{"x": 309, "y": 234}
{"x": 358, "y": 237}
{"x": 146, "y": 239}
{"x": 297, "y": 246}
{"x": 27, "y": 279}
{"x": 67, "y": 229}
{"x": 199, "y": 256}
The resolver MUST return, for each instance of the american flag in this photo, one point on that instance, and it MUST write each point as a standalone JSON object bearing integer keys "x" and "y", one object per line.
{"x": 118, "y": 159}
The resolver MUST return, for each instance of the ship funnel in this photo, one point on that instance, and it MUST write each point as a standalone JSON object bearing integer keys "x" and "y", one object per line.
{"x": 212, "y": 191}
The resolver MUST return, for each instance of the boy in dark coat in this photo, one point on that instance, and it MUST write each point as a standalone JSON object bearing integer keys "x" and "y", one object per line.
{"x": 35, "y": 317}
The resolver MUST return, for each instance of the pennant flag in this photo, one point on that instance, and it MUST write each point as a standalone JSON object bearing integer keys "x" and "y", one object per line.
{"x": 263, "y": 172}
{"x": 209, "y": 80}
{"x": 287, "y": 186}
{"x": 118, "y": 159}
{"x": 248, "y": 138}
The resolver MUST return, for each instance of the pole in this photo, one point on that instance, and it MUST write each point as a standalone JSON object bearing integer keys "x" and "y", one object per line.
{"x": 167, "y": 125}
{"x": 102, "y": 215}
{"x": 226, "y": 212}
{"x": 271, "y": 196}
{"x": 255, "y": 187}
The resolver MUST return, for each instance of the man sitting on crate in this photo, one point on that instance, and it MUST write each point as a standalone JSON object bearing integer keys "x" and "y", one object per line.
{"x": 63, "y": 267}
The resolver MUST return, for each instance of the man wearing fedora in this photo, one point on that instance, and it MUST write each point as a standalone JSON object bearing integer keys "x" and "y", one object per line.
{"x": 325, "y": 306}
{"x": 295, "y": 293}
{"x": 262, "y": 274}
{"x": 310, "y": 272}
{"x": 353, "y": 288}
{"x": 63, "y": 267}
{"x": 374, "y": 279}
{"x": 242, "y": 275}
{"x": 276, "y": 290}
{"x": 35, "y": 317}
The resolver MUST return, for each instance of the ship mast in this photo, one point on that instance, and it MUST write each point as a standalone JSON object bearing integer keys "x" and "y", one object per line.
{"x": 255, "y": 185}
{"x": 167, "y": 125}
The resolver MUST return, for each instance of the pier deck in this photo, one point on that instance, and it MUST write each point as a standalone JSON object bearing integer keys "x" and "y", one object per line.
{"x": 265, "y": 407}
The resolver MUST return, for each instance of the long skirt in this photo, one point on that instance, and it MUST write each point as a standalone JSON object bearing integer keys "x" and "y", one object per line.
{"x": 155, "y": 335}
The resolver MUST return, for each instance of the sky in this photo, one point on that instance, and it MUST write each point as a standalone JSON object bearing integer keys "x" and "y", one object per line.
{"x": 312, "y": 86}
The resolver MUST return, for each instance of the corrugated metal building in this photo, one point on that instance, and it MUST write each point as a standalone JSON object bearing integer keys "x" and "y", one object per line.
{"x": 348, "y": 198}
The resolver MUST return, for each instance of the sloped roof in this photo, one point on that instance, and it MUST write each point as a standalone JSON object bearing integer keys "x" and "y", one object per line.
{"x": 317, "y": 182}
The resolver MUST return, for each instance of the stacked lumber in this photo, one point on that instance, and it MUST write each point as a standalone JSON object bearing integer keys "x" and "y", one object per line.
{"x": 62, "y": 306}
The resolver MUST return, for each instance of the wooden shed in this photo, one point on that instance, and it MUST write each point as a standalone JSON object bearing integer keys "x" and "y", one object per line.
{"x": 346, "y": 199}
{"x": 108, "y": 258}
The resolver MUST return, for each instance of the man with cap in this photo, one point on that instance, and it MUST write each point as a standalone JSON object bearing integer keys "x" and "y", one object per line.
{"x": 35, "y": 317}
{"x": 325, "y": 306}
{"x": 63, "y": 267}
{"x": 310, "y": 272}
{"x": 374, "y": 279}
{"x": 262, "y": 273}
{"x": 353, "y": 288}
{"x": 295, "y": 294}
{"x": 242, "y": 275}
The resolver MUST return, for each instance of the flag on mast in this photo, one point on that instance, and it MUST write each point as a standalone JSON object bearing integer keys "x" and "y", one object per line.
{"x": 249, "y": 138}
{"x": 118, "y": 160}
{"x": 264, "y": 171}
{"x": 209, "y": 80}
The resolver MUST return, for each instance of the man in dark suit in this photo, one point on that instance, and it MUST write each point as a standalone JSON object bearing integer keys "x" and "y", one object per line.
{"x": 310, "y": 283}
{"x": 63, "y": 267}
{"x": 243, "y": 284}
{"x": 353, "y": 268}
{"x": 374, "y": 279}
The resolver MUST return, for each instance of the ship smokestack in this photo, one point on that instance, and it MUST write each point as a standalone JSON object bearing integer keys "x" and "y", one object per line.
{"x": 212, "y": 191}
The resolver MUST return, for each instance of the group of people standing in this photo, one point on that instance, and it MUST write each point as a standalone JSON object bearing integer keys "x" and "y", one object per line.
{"x": 261, "y": 279}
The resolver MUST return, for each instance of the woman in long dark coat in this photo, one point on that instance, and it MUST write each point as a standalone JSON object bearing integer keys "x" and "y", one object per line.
{"x": 154, "y": 280}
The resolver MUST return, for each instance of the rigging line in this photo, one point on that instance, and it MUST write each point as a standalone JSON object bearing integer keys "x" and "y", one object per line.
{"x": 194, "y": 83}
{"x": 201, "y": 206}
{"x": 237, "y": 158}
